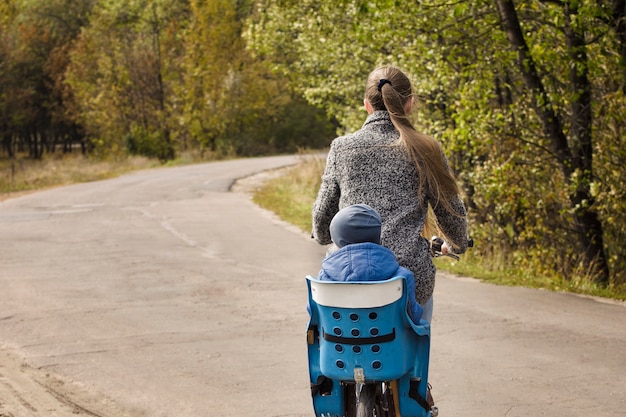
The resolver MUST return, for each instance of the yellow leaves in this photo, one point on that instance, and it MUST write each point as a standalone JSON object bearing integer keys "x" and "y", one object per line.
{"x": 594, "y": 189}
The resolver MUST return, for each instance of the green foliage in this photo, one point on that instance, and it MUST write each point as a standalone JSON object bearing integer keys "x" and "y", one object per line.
{"x": 233, "y": 104}
{"x": 291, "y": 194}
{"x": 160, "y": 77}
{"x": 146, "y": 143}
{"x": 121, "y": 73}
{"x": 534, "y": 168}
{"x": 534, "y": 131}
{"x": 149, "y": 77}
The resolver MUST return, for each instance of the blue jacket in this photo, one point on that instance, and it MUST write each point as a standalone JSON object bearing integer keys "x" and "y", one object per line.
{"x": 369, "y": 262}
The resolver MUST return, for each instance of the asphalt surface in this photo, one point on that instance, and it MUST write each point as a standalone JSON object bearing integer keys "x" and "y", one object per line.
{"x": 165, "y": 293}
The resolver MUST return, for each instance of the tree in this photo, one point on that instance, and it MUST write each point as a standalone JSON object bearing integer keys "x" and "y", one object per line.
{"x": 160, "y": 77}
{"x": 233, "y": 103}
{"x": 37, "y": 39}
{"x": 508, "y": 87}
{"x": 576, "y": 159}
{"x": 123, "y": 71}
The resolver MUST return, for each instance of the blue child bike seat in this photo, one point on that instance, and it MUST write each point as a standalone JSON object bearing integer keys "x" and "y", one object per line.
{"x": 361, "y": 332}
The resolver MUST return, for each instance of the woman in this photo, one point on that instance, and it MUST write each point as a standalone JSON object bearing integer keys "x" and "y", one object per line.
{"x": 399, "y": 172}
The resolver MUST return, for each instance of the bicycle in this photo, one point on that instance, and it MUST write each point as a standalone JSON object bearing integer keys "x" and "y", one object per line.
{"x": 367, "y": 358}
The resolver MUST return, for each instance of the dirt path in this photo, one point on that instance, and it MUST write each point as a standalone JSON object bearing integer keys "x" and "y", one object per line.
{"x": 28, "y": 392}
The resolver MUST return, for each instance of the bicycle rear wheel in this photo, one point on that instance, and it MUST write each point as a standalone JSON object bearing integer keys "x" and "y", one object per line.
{"x": 366, "y": 406}
{"x": 370, "y": 402}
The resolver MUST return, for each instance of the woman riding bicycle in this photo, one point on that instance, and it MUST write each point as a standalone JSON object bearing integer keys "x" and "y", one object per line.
{"x": 399, "y": 172}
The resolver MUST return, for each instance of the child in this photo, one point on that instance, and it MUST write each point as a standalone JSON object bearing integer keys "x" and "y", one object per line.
{"x": 358, "y": 255}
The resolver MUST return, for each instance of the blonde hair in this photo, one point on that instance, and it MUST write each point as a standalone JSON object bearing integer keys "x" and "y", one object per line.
{"x": 388, "y": 88}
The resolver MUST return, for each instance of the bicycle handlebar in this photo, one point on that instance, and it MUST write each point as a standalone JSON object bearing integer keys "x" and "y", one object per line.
{"x": 436, "y": 246}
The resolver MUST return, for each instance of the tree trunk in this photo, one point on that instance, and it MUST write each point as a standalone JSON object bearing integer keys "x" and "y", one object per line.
{"x": 577, "y": 159}
{"x": 619, "y": 23}
{"x": 588, "y": 224}
{"x": 7, "y": 143}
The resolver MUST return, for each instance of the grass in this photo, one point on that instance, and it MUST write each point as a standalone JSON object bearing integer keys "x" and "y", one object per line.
{"x": 22, "y": 175}
{"x": 292, "y": 194}
{"x": 472, "y": 266}
{"x": 291, "y": 197}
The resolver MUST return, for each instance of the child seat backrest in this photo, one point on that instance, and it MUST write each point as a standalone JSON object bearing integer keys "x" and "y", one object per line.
{"x": 364, "y": 329}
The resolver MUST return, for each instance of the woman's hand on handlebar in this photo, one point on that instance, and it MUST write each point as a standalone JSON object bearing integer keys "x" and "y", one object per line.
{"x": 439, "y": 247}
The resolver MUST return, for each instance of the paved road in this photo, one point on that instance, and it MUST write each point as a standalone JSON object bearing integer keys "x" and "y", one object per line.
{"x": 162, "y": 293}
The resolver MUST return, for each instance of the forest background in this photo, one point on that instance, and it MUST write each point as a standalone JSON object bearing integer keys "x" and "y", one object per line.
{"x": 526, "y": 97}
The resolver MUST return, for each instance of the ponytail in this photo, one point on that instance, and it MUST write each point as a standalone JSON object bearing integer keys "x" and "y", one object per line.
{"x": 389, "y": 89}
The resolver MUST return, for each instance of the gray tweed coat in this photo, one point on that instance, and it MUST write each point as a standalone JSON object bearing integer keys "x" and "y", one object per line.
{"x": 368, "y": 167}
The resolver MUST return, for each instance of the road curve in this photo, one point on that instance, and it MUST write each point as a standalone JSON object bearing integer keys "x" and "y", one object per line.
{"x": 164, "y": 293}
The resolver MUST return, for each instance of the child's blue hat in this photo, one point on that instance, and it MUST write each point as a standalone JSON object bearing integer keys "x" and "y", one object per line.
{"x": 358, "y": 223}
